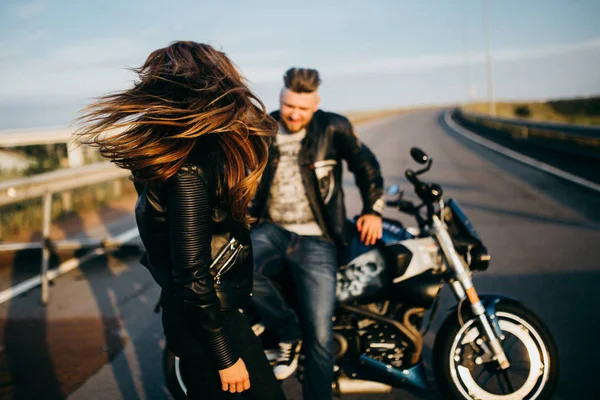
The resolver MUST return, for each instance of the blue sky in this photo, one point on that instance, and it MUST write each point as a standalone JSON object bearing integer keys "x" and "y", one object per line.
{"x": 55, "y": 55}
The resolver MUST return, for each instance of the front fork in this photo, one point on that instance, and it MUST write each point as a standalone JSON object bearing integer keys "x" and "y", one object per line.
{"x": 464, "y": 289}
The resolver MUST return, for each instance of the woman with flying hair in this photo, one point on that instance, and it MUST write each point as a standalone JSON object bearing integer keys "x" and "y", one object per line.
{"x": 195, "y": 139}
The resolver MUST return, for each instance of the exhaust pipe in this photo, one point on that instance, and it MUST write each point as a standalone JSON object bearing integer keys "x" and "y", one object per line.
{"x": 372, "y": 373}
{"x": 358, "y": 386}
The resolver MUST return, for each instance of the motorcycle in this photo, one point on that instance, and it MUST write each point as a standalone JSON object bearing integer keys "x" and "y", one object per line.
{"x": 488, "y": 347}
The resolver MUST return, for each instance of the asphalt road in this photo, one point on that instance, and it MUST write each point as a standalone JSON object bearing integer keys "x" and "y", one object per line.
{"x": 99, "y": 338}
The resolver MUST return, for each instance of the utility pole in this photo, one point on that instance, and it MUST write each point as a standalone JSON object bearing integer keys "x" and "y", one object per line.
{"x": 488, "y": 59}
{"x": 466, "y": 51}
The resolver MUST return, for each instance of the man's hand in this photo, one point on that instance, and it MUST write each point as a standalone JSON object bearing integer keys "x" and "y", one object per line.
{"x": 370, "y": 228}
{"x": 235, "y": 378}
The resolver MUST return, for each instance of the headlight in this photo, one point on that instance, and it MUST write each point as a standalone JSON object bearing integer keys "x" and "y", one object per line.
{"x": 480, "y": 258}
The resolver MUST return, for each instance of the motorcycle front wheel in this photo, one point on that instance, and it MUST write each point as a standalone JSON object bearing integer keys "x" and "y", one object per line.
{"x": 172, "y": 374}
{"x": 462, "y": 371}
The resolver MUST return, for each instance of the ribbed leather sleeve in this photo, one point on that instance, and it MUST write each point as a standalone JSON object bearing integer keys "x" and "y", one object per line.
{"x": 362, "y": 163}
{"x": 189, "y": 213}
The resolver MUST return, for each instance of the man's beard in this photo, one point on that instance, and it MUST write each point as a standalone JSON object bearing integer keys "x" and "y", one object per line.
{"x": 287, "y": 128}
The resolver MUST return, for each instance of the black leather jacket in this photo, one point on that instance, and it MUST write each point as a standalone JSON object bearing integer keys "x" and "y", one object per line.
{"x": 329, "y": 140}
{"x": 182, "y": 228}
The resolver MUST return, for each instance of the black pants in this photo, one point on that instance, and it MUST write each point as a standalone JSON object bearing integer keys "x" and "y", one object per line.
{"x": 198, "y": 366}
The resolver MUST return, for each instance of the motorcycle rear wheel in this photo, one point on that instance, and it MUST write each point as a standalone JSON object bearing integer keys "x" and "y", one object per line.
{"x": 173, "y": 377}
{"x": 528, "y": 344}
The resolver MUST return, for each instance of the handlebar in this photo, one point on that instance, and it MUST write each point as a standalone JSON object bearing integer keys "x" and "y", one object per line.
{"x": 408, "y": 206}
{"x": 405, "y": 206}
{"x": 412, "y": 177}
{"x": 428, "y": 193}
{"x": 423, "y": 193}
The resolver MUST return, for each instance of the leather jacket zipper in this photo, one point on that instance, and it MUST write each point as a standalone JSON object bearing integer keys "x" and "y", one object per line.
{"x": 235, "y": 248}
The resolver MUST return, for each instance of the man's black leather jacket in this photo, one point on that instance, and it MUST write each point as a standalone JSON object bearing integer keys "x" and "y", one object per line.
{"x": 178, "y": 222}
{"x": 329, "y": 140}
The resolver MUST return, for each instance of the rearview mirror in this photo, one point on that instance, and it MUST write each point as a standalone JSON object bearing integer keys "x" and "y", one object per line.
{"x": 419, "y": 155}
{"x": 393, "y": 190}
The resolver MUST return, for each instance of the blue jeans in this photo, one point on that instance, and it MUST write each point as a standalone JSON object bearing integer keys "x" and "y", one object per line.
{"x": 312, "y": 263}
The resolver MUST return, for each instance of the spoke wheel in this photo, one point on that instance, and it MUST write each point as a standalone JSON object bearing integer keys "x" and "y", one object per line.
{"x": 464, "y": 372}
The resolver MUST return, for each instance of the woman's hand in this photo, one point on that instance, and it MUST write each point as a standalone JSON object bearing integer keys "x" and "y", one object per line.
{"x": 235, "y": 379}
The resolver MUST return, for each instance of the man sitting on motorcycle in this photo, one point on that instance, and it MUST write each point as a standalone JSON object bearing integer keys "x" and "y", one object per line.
{"x": 302, "y": 222}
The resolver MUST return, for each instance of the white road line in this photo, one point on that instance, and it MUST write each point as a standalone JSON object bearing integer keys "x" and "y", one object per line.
{"x": 63, "y": 268}
{"x": 467, "y": 134}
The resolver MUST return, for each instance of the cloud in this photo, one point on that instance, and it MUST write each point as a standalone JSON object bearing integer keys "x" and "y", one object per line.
{"x": 29, "y": 9}
{"x": 81, "y": 68}
{"x": 429, "y": 62}
{"x": 543, "y": 51}
{"x": 92, "y": 67}
{"x": 86, "y": 67}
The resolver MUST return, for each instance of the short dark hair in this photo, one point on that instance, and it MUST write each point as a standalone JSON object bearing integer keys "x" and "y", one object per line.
{"x": 302, "y": 80}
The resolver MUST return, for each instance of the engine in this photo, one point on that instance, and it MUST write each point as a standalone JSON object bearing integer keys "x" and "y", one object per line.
{"x": 373, "y": 342}
{"x": 386, "y": 342}
{"x": 382, "y": 342}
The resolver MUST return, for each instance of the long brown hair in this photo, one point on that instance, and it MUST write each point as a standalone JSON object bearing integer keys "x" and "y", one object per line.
{"x": 184, "y": 91}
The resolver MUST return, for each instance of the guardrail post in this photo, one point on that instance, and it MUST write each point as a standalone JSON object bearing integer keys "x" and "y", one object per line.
{"x": 75, "y": 154}
{"x": 67, "y": 201}
{"x": 46, "y": 244}
{"x": 117, "y": 188}
{"x": 521, "y": 133}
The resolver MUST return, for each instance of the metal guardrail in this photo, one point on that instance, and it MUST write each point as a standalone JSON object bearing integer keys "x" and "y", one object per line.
{"x": 28, "y": 137}
{"x": 33, "y": 137}
{"x": 45, "y": 185}
{"x": 584, "y": 133}
{"x": 16, "y": 190}
{"x": 507, "y": 152}
{"x": 63, "y": 268}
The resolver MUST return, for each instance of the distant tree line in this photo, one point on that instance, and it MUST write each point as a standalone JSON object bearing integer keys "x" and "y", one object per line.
{"x": 45, "y": 158}
{"x": 572, "y": 109}
{"x": 584, "y": 107}
{"x": 50, "y": 157}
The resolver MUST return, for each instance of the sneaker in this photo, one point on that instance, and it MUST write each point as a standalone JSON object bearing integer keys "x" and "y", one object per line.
{"x": 258, "y": 329}
{"x": 287, "y": 362}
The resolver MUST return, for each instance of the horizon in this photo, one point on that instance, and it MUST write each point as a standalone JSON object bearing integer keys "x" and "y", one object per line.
{"x": 417, "y": 107}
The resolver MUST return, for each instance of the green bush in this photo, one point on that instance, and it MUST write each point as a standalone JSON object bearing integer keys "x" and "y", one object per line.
{"x": 585, "y": 107}
{"x": 522, "y": 110}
